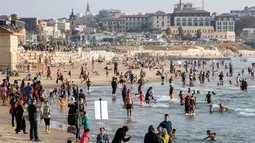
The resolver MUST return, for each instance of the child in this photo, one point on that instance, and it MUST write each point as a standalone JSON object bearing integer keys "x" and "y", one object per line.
{"x": 141, "y": 97}
{"x": 230, "y": 82}
{"x": 210, "y": 135}
{"x": 172, "y": 136}
{"x": 46, "y": 116}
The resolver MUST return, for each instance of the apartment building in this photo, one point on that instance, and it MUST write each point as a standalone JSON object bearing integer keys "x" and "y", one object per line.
{"x": 159, "y": 21}
{"x": 225, "y": 23}
{"x": 136, "y": 23}
{"x": 191, "y": 18}
{"x": 115, "y": 24}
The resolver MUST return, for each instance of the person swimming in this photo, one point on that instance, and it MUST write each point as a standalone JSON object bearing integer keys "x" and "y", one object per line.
{"x": 210, "y": 135}
{"x": 222, "y": 108}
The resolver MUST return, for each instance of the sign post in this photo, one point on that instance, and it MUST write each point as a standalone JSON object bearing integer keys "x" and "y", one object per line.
{"x": 101, "y": 111}
{"x": 100, "y": 100}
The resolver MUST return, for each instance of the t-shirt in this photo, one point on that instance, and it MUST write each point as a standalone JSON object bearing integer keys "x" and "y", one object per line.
{"x": 78, "y": 117}
{"x": 102, "y": 140}
{"x": 32, "y": 112}
{"x": 46, "y": 111}
{"x": 28, "y": 90}
{"x": 86, "y": 122}
{"x": 167, "y": 125}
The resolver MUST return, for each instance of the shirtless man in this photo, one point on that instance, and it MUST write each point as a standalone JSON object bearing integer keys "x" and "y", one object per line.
{"x": 210, "y": 136}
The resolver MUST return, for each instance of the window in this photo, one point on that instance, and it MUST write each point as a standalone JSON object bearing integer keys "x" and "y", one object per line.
{"x": 157, "y": 22}
{"x": 184, "y": 24}
{"x": 189, "y": 24}
{"x": 178, "y": 24}
{"x": 157, "y": 17}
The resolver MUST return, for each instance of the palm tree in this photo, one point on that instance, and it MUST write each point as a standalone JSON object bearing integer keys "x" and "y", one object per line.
{"x": 14, "y": 18}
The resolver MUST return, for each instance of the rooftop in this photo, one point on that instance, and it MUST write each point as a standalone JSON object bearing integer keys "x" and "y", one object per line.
{"x": 192, "y": 11}
{"x": 134, "y": 16}
{"x": 113, "y": 19}
{"x": 225, "y": 15}
{"x": 5, "y": 31}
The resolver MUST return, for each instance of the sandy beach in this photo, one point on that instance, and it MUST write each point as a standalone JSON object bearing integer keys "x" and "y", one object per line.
{"x": 7, "y": 133}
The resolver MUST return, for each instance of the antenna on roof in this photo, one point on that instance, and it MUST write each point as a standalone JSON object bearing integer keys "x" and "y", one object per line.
{"x": 203, "y": 4}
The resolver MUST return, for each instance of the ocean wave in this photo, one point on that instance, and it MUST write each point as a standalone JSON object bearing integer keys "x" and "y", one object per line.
{"x": 248, "y": 110}
{"x": 246, "y": 114}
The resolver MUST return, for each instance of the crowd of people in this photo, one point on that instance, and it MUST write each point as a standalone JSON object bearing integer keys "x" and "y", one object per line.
{"x": 31, "y": 92}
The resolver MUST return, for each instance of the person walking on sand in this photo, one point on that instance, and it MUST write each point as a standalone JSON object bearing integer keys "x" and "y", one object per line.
{"x": 14, "y": 104}
{"x": 115, "y": 68}
{"x": 129, "y": 103}
{"x": 48, "y": 74}
{"x": 32, "y": 112}
{"x": 20, "y": 120}
{"x": 4, "y": 96}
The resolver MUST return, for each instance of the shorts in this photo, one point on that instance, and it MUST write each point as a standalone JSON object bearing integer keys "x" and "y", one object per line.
{"x": 128, "y": 106}
{"x": 47, "y": 121}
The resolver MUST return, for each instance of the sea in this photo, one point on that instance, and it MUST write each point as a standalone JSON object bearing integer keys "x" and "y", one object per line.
{"x": 237, "y": 125}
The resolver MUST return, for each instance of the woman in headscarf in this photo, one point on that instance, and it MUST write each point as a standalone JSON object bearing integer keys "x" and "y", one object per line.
{"x": 72, "y": 111}
{"x": 151, "y": 136}
{"x": 149, "y": 94}
{"x": 20, "y": 120}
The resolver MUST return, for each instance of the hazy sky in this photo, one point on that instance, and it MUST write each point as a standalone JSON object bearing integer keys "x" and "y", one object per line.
{"x": 62, "y": 8}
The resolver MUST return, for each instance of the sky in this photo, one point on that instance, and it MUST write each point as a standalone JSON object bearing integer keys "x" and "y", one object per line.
{"x": 62, "y": 8}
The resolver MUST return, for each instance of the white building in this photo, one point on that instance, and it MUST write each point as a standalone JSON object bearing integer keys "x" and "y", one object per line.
{"x": 159, "y": 21}
{"x": 248, "y": 34}
{"x": 225, "y": 23}
{"x": 63, "y": 26}
{"x": 136, "y": 23}
{"x": 248, "y": 11}
{"x": 192, "y": 18}
{"x": 46, "y": 33}
{"x": 115, "y": 24}
{"x": 88, "y": 31}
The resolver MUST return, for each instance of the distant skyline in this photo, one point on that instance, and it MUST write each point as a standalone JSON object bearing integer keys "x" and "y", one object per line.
{"x": 50, "y": 8}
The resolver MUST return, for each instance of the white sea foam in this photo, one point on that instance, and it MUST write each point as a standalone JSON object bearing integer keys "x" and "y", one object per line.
{"x": 247, "y": 114}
